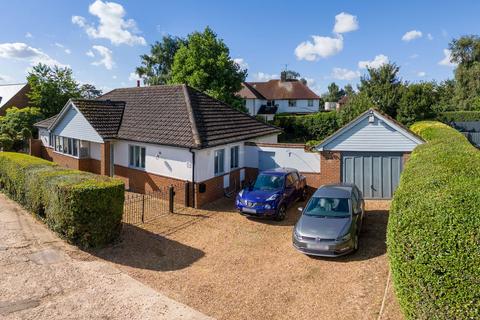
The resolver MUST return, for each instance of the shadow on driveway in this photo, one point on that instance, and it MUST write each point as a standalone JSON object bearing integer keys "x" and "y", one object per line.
{"x": 140, "y": 248}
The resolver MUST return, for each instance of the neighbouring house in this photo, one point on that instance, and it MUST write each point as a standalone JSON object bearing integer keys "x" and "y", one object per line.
{"x": 156, "y": 136}
{"x": 13, "y": 95}
{"x": 370, "y": 151}
{"x": 265, "y": 99}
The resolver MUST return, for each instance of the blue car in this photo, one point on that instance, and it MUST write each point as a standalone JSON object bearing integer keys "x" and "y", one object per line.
{"x": 272, "y": 193}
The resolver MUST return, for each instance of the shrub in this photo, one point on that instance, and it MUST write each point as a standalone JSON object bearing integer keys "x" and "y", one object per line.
{"x": 84, "y": 208}
{"x": 433, "y": 234}
{"x": 458, "y": 116}
{"x": 302, "y": 128}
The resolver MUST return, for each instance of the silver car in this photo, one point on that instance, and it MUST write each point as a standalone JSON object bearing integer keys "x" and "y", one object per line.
{"x": 331, "y": 221}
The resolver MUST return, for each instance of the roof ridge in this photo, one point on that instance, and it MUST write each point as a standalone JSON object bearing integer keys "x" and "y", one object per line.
{"x": 191, "y": 116}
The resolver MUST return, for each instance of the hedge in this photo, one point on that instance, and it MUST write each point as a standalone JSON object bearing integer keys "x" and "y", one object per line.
{"x": 433, "y": 235}
{"x": 458, "y": 116}
{"x": 303, "y": 128}
{"x": 84, "y": 208}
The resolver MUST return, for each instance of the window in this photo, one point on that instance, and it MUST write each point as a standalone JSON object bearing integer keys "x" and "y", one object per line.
{"x": 292, "y": 103}
{"x": 64, "y": 145}
{"x": 290, "y": 181}
{"x": 234, "y": 157}
{"x": 310, "y": 103}
{"x": 51, "y": 140}
{"x": 219, "y": 159}
{"x": 136, "y": 156}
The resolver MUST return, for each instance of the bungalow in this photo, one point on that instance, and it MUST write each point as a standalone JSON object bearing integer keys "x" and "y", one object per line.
{"x": 265, "y": 99}
{"x": 156, "y": 136}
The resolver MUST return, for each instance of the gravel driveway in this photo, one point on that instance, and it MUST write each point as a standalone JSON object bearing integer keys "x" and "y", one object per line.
{"x": 232, "y": 267}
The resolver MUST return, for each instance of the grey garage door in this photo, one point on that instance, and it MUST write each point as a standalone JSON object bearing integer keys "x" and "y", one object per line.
{"x": 376, "y": 174}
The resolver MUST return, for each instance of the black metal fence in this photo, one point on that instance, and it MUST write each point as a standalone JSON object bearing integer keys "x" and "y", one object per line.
{"x": 144, "y": 207}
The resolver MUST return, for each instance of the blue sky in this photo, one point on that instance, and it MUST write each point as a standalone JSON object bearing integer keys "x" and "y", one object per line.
{"x": 324, "y": 41}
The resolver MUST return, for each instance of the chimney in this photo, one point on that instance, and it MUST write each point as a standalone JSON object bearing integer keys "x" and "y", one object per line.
{"x": 283, "y": 76}
{"x": 138, "y": 83}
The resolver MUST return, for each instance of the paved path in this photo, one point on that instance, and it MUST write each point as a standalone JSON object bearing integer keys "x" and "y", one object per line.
{"x": 41, "y": 277}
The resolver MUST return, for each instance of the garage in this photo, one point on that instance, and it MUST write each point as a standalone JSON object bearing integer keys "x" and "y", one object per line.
{"x": 376, "y": 174}
{"x": 370, "y": 152}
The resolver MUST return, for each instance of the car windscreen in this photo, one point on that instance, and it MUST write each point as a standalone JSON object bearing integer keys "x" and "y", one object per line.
{"x": 268, "y": 182}
{"x": 328, "y": 207}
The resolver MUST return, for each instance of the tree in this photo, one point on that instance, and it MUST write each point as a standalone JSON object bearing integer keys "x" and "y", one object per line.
{"x": 16, "y": 127}
{"x": 51, "y": 87}
{"x": 334, "y": 93}
{"x": 416, "y": 103}
{"x": 349, "y": 91}
{"x": 157, "y": 66}
{"x": 88, "y": 91}
{"x": 289, "y": 75}
{"x": 204, "y": 63}
{"x": 356, "y": 105}
{"x": 445, "y": 92}
{"x": 383, "y": 87}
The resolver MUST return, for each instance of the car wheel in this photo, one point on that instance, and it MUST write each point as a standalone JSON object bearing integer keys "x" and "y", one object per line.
{"x": 303, "y": 197}
{"x": 282, "y": 213}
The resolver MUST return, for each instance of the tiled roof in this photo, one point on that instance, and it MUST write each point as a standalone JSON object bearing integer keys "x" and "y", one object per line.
{"x": 248, "y": 92}
{"x": 178, "y": 115}
{"x": 46, "y": 122}
{"x": 277, "y": 90}
{"x": 105, "y": 116}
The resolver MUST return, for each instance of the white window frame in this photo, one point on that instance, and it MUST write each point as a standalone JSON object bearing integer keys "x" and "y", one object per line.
{"x": 235, "y": 157}
{"x": 216, "y": 165}
{"x": 292, "y": 103}
{"x": 65, "y": 146}
{"x": 137, "y": 156}
{"x": 310, "y": 102}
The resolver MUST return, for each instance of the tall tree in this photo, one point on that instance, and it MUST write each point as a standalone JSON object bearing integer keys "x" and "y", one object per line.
{"x": 334, "y": 93}
{"x": 416, "y": 103}
{"x": 16, "y": 127}
{"x": 156, "y": 67}
{"x": 349, "y": 91}
{"x": 51, "y": 87}
{"x": 445, "y": 92}
{"x": 383, "y": 87}
{"x": 204, "y": 63}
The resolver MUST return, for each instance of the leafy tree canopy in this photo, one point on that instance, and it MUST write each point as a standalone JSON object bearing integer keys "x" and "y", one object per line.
{"x": 16, "y": 127}
{"x": 51, "y": 87}
{"x": 204, "y": 63}
{"x": 157, "y": 66}
{"x": 334, "y": 93}
{"x": 416, "y": 103}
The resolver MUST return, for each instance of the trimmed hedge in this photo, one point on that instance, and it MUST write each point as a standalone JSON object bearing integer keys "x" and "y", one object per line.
{"x": 433, "y": 234}
{"x": 458, "y": 116}
{"x": 303, "y": 128}
{"x": 84, "y": 208}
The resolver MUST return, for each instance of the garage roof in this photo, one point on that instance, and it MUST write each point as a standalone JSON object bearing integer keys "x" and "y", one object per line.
{"x": 371, "y": 131}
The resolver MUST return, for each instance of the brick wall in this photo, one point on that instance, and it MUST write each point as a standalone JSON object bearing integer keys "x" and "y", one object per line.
{"x": 105, "y": 158}
{"x": 405, "y": 158}
{"x": 35, "y": 147}
{"x": 214, "y": 187}
{"x": 330, "y": 168}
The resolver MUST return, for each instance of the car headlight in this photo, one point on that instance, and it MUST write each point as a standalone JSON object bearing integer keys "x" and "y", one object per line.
{"x": 345, "y": 237}
{"x": 240, "y": 193}
{"x": 296, "y": 235}
{"x": 273, "y": 197}
{"x": 268, "y": 207}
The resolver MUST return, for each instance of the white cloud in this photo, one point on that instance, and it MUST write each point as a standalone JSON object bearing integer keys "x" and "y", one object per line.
{"x": 260, "y": 76}
{"x": 241, "y": 62}
{"x": 133, "y": 76}
{"x": 377, "y": 62}
{"x": 68, "y": 51}
{"x": 345, "y": 22}
{"x": 421, "y": 74}
{"x": 429, "y": 36}
{"x": 22, "y": 51}
{"x": 412, "y": 35}
{"x": 321, "y": 47}
{"x": 112, "y": 25}
{"x": 28, "y": 35}
{"x": 114, "y": 77}
{"x": 106, "y": 56}
{"x": 344, "y": 74}
{"x": 447, "y": 59}
{"x": 90, "y": 54}
{"x": 61, "y": 46}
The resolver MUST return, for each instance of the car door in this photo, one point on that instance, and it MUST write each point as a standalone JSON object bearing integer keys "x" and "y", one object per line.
{"x": 290, "y": 190}
{"x": 357, "y": 208}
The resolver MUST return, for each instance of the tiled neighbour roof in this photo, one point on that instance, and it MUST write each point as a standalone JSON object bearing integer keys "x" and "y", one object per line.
{"x": 278, "y": 90}
{"x": 46, "y": 122}
{"x": 248, "y": 92}
{"x": 178, "y": 115}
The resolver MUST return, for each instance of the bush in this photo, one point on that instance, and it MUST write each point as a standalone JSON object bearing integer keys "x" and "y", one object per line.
{"x": 458, "y": 116}
{"x": 302, "y": 128}
{"x": 433, "y": 231}
{"x": 84, "y": 208}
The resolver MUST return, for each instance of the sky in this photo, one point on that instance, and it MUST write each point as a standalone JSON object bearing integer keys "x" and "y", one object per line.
{"x": 324, "y": 41}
